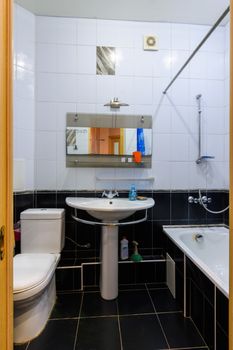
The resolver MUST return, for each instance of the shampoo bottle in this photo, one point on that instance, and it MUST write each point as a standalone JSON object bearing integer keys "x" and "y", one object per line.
{"x": 124, "y": 248}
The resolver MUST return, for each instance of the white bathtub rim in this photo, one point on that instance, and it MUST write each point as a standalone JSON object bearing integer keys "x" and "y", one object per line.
{"x": 223, "y": 287}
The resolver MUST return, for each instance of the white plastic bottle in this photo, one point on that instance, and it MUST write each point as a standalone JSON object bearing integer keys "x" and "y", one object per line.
{"x": 124, "y": 248}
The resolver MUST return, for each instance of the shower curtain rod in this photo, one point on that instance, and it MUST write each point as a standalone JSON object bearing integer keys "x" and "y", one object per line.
{"x": 198, "y": 47}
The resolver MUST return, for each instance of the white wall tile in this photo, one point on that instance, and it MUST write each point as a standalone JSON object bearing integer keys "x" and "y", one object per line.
{"x": 125, "y": 63}
{"x": 216, "y": 147}
{"x": 26, "y": 55}
{"x": 197, "y": 175}
{"x": 215, "y": 66}
{"x": 143, "y": 88}
{"x": 46, "y": 57}
{"x": 66, "y": 30}
{"x": 179, "y": 175}
{"x": 161, "y": 62}
{"x": 105, "y": 88}
{"x": 107, "y": 33}
{"x": 66, "y": 59}
{"x": 215, "y": 93}
{"x": 24, "y": 114}
{"x": 214, "y": 119}
{"x": 86, "y": 60}
{"x": 66, "y": 177}
{"x": 26, "y": 27}
{"x": 66, "y": 88}
{"x": 85, "y": 179}
{"x": 180, "y": 92}
{"x": 184, "y": 120}
{"x": 143, "y": 63}
{"x": 24, "y": 83}
{"x": 179, "y": 147}
{"x": 46, "y": 29}
{"x": 46, "y": 143}
{"x": 46, "y": 116}
{"x": 178, "y": 58}
{"x": 180, "y": 36}
{"x": 62, "y": 110}
{"x": 45, "y": 175}
{"x": 140, "y": 79}
{"x": 23, "y": 144}
{"x": 124, "y": 89}
{"x": 162, "y": 173}
{"x": 86, "y": 88}
{"x": 161, "y": 147}
{"x": 86, "y": 31}
{"x": 216, "y": 42}
{"x": 199, "y": 66}
{"x": 162, "y": 120}
{"x": 46, "y": 87}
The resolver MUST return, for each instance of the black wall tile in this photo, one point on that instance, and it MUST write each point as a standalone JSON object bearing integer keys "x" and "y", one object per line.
{"x": 22, "y": 201}
{"x": 222, "y": 303}
{"x": 179, "y": 207}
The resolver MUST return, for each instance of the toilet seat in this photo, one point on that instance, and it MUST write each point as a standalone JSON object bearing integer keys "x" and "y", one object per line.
{"x": 32, "y": 272}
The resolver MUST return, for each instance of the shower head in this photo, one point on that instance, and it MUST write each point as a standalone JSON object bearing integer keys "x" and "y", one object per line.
{"x": 198, "y": 96}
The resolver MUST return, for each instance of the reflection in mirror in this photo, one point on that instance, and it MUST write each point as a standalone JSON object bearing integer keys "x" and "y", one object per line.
{"x": 111, "y": 141}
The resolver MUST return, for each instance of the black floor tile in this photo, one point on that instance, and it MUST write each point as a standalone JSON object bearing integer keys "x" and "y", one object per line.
{"x": 98, "y": 334}
{"x": 94, "y": 305}
{"x": 139, "y": 286}
{"x": 57, "y": 335}
{"x": 157, "y": 285}
{"x": 67, "y": 305}
{"x": 134, "y": 302}
{"x": 163, "y": 300}
{"x": 21, "y": 346}
{"x": 142, "y": 332}
{"x": 180, "y": 331}
{"x": 205, "y": 348}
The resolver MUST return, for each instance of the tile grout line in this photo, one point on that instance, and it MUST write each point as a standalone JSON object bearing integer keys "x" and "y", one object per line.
{"x": 157, "y": 316}
{"x": 191, "y": 348}
{"x": 198, "y": 332}
{"x": 119, "y": 325}
{"x": 79, "y": 315}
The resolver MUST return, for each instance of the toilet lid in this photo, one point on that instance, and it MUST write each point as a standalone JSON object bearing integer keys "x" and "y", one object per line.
{"x": 32, "y": 269}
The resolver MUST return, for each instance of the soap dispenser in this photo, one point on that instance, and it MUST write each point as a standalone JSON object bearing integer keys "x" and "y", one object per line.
{"x": 132, "y": 193}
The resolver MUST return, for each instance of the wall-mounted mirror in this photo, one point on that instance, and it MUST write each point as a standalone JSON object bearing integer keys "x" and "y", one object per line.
{"x": 90, "y": 137}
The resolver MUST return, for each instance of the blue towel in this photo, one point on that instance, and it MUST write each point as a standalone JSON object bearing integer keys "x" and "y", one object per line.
{"x": 140, "y": 141}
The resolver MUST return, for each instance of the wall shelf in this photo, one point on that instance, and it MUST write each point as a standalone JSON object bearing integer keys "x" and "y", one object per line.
{"x": 125, "y": 179}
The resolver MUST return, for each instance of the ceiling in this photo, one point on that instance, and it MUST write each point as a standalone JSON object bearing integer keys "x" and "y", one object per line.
{"x": 177, "y": 11}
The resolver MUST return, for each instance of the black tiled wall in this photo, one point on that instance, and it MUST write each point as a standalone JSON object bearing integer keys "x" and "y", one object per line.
{"x": 200, "y": 299}
{"x": 170, "y": 208}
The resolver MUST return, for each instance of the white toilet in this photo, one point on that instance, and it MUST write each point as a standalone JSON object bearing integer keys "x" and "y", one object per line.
{"x": 42, "y": 239}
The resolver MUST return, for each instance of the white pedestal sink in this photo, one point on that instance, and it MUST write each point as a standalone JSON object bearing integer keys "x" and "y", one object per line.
{"x": 110, "y": 211}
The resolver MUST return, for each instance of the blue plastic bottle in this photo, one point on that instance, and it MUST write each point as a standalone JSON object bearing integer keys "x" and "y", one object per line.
{"x": 132, "y": 193}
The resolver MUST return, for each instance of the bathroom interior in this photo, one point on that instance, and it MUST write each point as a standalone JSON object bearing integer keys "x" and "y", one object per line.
{"x": 89, "y": 81}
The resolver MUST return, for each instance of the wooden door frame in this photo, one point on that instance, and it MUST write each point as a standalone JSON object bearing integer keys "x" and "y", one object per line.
{"x": 6, "y": 193}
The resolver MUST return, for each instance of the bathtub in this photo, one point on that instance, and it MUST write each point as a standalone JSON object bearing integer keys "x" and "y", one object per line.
{"x": 210, "y": 253}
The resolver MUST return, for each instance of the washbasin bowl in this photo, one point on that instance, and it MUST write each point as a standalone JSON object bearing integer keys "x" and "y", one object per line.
{"x": 109, "y": 209}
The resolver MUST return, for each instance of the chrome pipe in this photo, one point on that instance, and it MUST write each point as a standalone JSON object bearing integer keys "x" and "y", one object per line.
{"x": 198, "y": 47}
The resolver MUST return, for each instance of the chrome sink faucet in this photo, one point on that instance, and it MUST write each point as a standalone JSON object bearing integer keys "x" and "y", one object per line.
{"x": 110, "y": 194}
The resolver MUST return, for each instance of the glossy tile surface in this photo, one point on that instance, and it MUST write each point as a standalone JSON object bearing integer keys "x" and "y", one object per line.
{"x": 84, "y": 321}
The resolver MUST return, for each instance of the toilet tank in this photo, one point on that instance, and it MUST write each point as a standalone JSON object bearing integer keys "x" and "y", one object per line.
{"x": 42, "y": 230}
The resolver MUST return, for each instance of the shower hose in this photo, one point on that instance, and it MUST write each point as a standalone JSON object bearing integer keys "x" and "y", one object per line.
{"x": 207, "y": 209}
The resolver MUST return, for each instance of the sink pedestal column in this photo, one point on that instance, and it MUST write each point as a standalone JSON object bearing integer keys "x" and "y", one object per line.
{"x": 109, "y": 262}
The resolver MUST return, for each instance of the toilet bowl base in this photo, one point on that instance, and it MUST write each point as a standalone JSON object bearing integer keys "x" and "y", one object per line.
{"x": 31, "y": 315}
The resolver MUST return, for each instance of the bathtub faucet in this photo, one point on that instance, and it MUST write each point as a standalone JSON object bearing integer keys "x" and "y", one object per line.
{"x": 204, "y": 199}
{"x": 198, "y": 237}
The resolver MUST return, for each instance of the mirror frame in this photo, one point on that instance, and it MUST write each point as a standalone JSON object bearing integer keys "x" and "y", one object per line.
{"x": 113, "y": 120}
